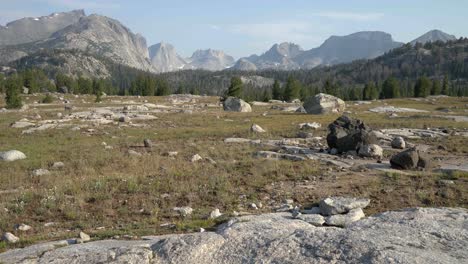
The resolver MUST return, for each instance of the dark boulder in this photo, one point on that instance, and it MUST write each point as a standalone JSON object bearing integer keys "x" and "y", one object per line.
{"x": 411, "y": 159}
{"x": 347, "y": 133}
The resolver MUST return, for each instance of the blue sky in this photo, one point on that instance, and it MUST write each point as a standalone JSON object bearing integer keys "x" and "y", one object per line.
{"x": 244, "y": 27}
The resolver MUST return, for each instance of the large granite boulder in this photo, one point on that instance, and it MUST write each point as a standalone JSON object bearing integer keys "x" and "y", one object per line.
{"x": 324, "y": 104}
{"x": 12, "y": 155}
{"x": 347, "y": 133}
{"x": 411, "y": 159}
{"x": 233, "y": 104}
{"x": 420, "y": 235}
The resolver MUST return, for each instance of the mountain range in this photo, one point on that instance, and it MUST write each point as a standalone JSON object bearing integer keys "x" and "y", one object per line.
{"x": 95, "y": 37}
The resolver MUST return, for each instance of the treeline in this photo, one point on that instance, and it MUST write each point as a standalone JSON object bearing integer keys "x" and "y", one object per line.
{"x": 408, "y": 71}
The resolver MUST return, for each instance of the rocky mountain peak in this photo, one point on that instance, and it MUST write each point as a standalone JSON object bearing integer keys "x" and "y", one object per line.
{"x": 164, "y": 57}
{"x": 434, "y": 35}
{"x": 30, "y": 29}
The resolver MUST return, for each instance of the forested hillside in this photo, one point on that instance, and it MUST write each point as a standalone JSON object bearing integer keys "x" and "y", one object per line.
{"x": 411, "y": 70}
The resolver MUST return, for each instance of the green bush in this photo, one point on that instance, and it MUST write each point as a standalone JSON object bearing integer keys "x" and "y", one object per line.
{"x": 47, "y": 99}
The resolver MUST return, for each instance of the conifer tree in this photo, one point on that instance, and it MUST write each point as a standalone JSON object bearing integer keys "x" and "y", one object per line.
{"x": 236, "y": 87}
{"x": 12, "y": 96}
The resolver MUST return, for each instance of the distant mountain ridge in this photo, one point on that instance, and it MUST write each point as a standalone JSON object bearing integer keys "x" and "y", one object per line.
{"x": 103, "y": 37}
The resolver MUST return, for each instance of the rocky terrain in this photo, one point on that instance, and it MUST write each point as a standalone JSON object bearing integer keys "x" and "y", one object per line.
{"x": 243, "y": 181}
{"x": 417, "y": 235}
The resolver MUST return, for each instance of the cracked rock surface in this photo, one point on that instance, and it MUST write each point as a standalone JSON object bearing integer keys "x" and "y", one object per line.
{"x": 419, "y": 235}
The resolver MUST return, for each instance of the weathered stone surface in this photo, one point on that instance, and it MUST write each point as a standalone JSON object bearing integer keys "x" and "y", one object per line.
{"x": 232, "y": 104}
{"x": 421, "y": 235}
{"x": 148, "y": 143}
{"x": 340, "y": 205}
{"x": 313, "y": 219}
{"x": 411, "y": 159}
{"x": 346, "y": 134}
{"x": 23, "y": 227}
{"x": 12, "y": 155}
{"x": 371, "y": 151}
{"x": 342, "y": 220}
{"x": 324, "y": 104}
{"x": 22, "y": 124}
{"x": 398, "y": 143}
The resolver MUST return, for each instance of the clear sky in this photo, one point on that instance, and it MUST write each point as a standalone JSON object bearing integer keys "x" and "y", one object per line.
{"x": 244, "y": 27}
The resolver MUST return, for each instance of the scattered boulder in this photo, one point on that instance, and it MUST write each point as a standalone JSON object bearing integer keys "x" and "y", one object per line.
{"x": 215, "y": 214}
{"x": 411, "y": 159}
{"x": 23, "y": 227}
{"x": 341, "y": 205}
{"x": 58, "y": 165}
{"x": 10, "y": 238}
{"x": 12, "y": 155}
{"x": 232, "y": 104}
{"x": 196, "y": 158}
{"x": 398, "y": 143}
{"x": 371, "y": 151}
{"x": 124, "y": 119}
{"x": 347, "y": 133}
{"x": 172, "y": 154}
{"x": 324, "y": 104}
{"x": 83, "y": 238}
{"x": 183, "y": 211}
{"x": 257, "y": 129}
{"x": 40, "y": 172}
{"x": 148, "y": 143}
{"x": 22, "y": 124}
{"x": 343, "y": 220}
{"x": 313, "y": 125}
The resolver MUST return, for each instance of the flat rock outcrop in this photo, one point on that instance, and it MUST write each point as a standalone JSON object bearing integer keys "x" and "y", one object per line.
{"x": 233, "y": 104}
{"x": 420, "y": 235}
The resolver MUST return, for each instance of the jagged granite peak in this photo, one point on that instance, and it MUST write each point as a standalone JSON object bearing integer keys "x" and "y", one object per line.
{"x": 285, "y": 49}
{"x": 30, "y": 29}
{"x": 164, "y": 58}
{"x": 433, "y": 36}
{"x": 343, "y": 49}
{"x": 210, "y": 59}
{"x": 279, "y": 56}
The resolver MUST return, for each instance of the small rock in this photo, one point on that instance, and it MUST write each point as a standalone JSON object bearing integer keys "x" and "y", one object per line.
{"x": 371, "y": 151}
{"x": 313, "y": 125}
{"x": 341, "y": 220}
{"x": 40, "y": 172}
{"x": 183, "y": 211}
{"x": 49, "y": 224}
{"x": 124, "y": 119}
{"x": 201, "y": 230}
{"x": 58, "y": 165}
{"x": 333, "y": 151}
{"x": 84, "y": 237}
{"x": 257, "y": 129}
{"x": 196, "y": 158}
{"x": 23, "y": 227}
{"x": 313, "y": 219}
{"x": 340, "y": 205}
{"x": 398, "y": 143}
{"x": 12, "y": 155}
{"x": 253, "y": 206}
{"x": 148, "y": 143}
{"x": 59, "y": 115}
{"x": 215, "y": 214}
{"x": 172, "y": 154}
{"x": 10, "y": 238}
